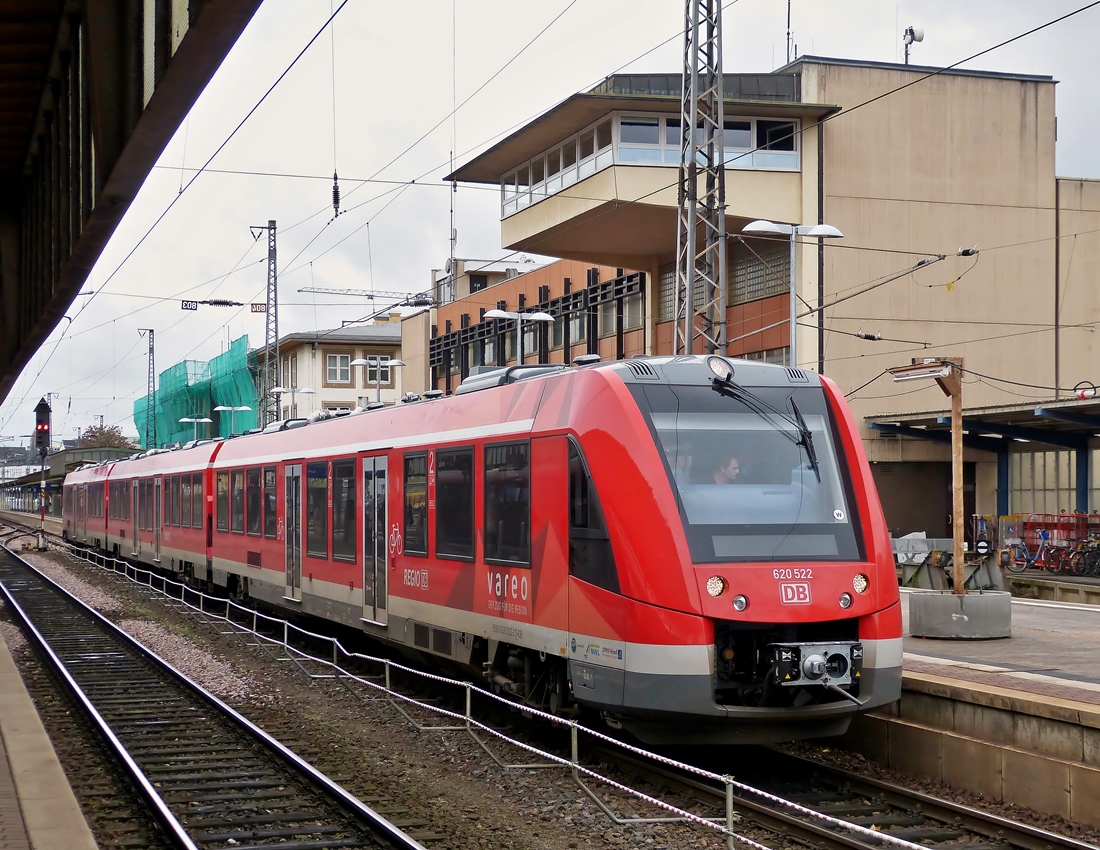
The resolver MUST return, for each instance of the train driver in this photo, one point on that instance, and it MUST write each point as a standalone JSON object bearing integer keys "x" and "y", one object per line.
{"x": 728, "y": 469}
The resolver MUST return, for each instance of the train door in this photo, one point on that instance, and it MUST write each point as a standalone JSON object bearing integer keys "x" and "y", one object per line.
{"x": 81, "y": 514}
{"x": 375, "y": 540}
{"x": 134, "y": 517}
{"x": 294, "y": 531}
{"x": 156, "y": 519}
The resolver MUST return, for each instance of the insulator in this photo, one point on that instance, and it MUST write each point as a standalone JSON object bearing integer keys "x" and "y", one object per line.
{"x": 335, "y": 194}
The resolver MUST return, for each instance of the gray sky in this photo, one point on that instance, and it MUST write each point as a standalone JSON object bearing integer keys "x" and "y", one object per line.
{"x": 393, "y": 82}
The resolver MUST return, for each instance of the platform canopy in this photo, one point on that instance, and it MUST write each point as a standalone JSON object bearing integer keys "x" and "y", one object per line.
{"x": 1036, "y": 426}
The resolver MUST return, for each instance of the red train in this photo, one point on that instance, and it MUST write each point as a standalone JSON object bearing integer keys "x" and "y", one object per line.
{"x": 692, "y": 545}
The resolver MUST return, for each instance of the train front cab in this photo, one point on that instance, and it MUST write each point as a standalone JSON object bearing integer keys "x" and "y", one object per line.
{"x": 730, "y": 630}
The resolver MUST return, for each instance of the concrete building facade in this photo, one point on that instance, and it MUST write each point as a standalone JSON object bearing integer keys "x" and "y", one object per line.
{"x": 911, "y": 166}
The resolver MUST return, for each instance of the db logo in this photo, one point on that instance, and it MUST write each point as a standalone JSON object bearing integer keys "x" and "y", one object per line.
{"x": 794, "y": 592}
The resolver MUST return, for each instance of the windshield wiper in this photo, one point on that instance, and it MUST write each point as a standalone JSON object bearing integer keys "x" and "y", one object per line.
{"x": 807, "y": 441}
{"x": 757, "y": 405}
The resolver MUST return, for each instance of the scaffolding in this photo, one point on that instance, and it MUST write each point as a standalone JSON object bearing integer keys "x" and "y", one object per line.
{"x": 193, "y": 388}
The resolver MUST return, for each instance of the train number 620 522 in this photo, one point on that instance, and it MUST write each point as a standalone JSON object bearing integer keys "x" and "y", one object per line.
{"x": 792, "y": 573}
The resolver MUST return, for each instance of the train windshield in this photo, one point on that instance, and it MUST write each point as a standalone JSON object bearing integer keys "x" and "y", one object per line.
{"x": 743, "y": 472}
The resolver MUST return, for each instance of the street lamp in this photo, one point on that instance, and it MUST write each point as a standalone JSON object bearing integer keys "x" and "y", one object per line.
{"x": 294, "y": 392}
{"x": 232, "y": 411}
{"x": 195, "y": 420}
{"x": 949, "y": 377}
{"x": 520, "y": 319}
{"x": 814, "y": 231}
{"x": 376, "y": 361}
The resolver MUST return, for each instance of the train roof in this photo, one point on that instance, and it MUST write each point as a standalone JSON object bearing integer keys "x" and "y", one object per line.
{"x": 491, "y": 403}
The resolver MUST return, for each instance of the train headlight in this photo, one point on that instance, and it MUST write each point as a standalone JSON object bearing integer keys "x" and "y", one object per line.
{"x": 716, "y": 585}
{"x": 720, "y": 367}
{"x": 740, "y": 603}
{"x": 845, "y": 600}
{"x": 860, "y": 583}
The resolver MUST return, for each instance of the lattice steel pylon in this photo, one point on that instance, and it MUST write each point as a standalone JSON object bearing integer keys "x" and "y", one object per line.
{"x": 150, "y": 397}
{"x": 700, "y": 298}
{"x": 269, "y": 400}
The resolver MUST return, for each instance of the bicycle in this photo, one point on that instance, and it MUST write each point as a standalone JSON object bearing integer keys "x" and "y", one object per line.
{"x": 1045, "y": 557}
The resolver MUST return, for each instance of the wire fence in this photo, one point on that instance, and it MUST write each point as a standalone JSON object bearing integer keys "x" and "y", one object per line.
{"x": 276, "y": 635}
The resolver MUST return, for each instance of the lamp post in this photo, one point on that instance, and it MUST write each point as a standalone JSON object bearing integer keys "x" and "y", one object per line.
{"x": 294, "y": 392}
{"x": 195, "y": 420}
{"x": 520, "y": 319}
{"x": 762, "y": 227}
{"x": 948, "y": 376}
{"x": 376, "y": 362}
{"x": 232, "y": 411}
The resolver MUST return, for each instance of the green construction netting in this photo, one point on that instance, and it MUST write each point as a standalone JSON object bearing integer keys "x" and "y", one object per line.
{"x": 192, "y": 389}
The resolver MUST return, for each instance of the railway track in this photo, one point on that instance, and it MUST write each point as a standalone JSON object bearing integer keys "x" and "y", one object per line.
{"x": 211, "y": 778}
{"x": 891, "y": 810}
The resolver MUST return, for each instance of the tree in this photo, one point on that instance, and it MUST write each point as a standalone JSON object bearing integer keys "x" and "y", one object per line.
{"x": 110, "y": 437}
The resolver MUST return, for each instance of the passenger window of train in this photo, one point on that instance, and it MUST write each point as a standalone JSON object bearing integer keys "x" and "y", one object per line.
{"x": 416, "y": 504}
{"x": 198, "y": 506}
{"x": 508, "y": 503}
{"x": 185, "y": 501}
{"x": 343, "y": 510}
{"x": 254, "y": 502}
{"x": 270, "y": 517}
{"x": 590, "y": 555}
{"x": 317, "y": 510}
{"x": 454, "y": 503}
{"x": 236, "y": 501}
{"x": 176, "y": 500}
{"x": 223, "y": 501}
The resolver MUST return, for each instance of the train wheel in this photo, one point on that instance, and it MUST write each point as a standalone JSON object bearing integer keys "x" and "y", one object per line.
{"x": 238, "y": 589}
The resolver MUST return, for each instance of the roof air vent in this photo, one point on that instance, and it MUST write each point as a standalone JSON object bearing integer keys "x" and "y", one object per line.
{"x": 642, "y": 371}
{"x": 797, "y": 376}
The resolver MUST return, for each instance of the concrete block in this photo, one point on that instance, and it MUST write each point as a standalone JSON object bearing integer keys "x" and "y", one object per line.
{"x": 1036, "y": 781}
{"x": 986, "y": 724}
{"x": 1084, "y": 792}
{"x": 1049, "y": 737}
{"x": 973, "y": 616}
{"x": 868, "y": 736}
{"x": 973, "y": 766}
{"x": 1091, "y": 747}
{"x": 926, "y": 710}
{"x": 915, "y": 750}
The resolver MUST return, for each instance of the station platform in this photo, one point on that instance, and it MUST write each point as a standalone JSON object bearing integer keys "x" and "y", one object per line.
{"x": 38, "y": 810}
{"x": 1014, "y": 720}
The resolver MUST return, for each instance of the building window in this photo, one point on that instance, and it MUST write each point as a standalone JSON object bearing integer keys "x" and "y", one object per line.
{"x": 223, "y": 501}
{"x": 237, "y": 501}
{"x": 338, "y": 370}
{"x": 761, "y": 268}
{"x": 343, "y": 510}
{"x": 777, "y": 356}
{"x": 185, "y": 502}
{"x": 376, "y": 362}
{"x": 557, "y": 338}
{"x": 578, "y": 326}
{"x": 198, "y": 506}
{"x": 530, "y": 341}
{"x": 666, "y": 293}
{"x": 607, "y": 318}
{"x": 416, "y": 504}
{"x": 294, "y": 371}
{"x": 632, "y": 311}
{"x": 270, "y": 518}
{"x": 254, "y": 503}
{"x": 454, "y": 503}
{"x": 478, "y": 282}
{"x": 317, "y": 510}
{"x": 508, "y": 503}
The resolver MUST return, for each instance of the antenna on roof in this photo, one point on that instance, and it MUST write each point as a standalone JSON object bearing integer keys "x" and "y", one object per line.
{"x": 910, "y": 35}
